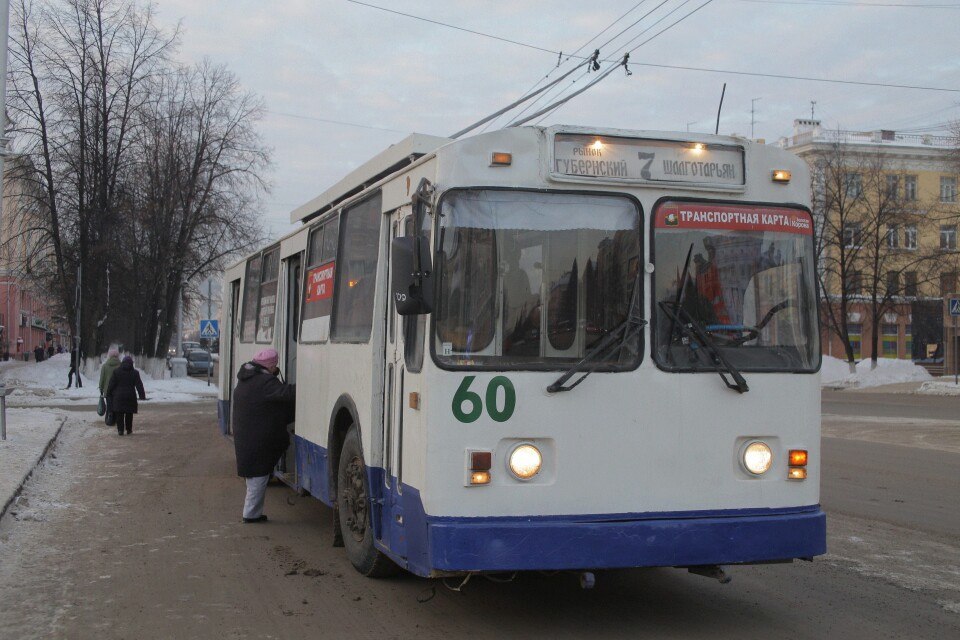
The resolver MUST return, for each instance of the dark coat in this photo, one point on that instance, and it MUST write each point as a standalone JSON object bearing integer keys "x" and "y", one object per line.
{"x": 124, "y": 387}
{"x": 38, "y": 354}
{"x": 262, "y": 408}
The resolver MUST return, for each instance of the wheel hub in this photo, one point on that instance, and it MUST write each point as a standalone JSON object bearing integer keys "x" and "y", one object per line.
{"x": 353, "y": 499}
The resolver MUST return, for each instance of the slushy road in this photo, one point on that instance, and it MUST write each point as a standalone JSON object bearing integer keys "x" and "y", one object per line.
{"x": 138, "y": 537}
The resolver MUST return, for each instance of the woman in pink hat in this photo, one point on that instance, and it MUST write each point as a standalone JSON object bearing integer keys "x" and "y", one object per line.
{"x": 262, "y": 408}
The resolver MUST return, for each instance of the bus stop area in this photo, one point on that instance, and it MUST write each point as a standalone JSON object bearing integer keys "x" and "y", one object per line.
{"x": 141, "y": 537}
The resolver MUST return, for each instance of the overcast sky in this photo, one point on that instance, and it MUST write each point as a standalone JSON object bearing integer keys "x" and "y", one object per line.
{"x": 341, "y": 61}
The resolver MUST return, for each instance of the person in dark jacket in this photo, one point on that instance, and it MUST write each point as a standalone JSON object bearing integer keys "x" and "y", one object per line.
{"x": 38, "y": 353}
{"x": 75, "y": 358}
{"x": 122, "y": 391}
{"x": 262, "y": 408}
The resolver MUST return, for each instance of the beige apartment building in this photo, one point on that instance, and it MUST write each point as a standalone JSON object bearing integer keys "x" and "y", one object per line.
{"x": 919, "y": 173}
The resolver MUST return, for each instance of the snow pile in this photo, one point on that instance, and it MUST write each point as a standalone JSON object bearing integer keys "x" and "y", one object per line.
{"x": 836, "y": 373}
{"x": 44, "y": 382}
{"x": 944, "y": 386}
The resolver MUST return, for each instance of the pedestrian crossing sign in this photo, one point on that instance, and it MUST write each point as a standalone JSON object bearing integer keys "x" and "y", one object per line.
{"x": 209, "y": 329}
{"x": 955, "y": 306}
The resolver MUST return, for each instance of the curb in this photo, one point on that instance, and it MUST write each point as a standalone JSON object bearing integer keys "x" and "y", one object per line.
{"x": 40, "y": 458}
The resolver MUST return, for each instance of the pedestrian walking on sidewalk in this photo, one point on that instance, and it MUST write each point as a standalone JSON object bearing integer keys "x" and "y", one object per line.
{"x": 38, "y": 353}
{"x": 263, "y": 406}
{"x": 122, "y": 391}
{"x": 111, "y": 364}
{"x": 75, "y": 357}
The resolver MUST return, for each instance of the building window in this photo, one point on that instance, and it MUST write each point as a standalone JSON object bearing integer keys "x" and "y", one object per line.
{"x": 948, "y": 189}
{"x": 910, "y": 188}
{"x": 893, "y": 187}
{"x": 910, "y": 236}
{"x": 893, "y": 283}
{"x": 910, "y": 283}
{"x": 854, "y": 331}
{"x": 853, "y": 184}
{"x": 854, "y": 282}
{"x": 948, "y": 237}
{"x": 893, "y": 236}
{"x": 948, "y": 283}
{"x": 852, "y": 232}
{"x": 890, "y": 333}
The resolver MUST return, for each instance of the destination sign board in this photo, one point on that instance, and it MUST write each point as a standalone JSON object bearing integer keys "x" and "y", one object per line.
{"x": 640, "y": 160}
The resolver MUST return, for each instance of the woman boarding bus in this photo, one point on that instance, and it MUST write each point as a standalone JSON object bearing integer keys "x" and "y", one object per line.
{"x": 543, "y": 349}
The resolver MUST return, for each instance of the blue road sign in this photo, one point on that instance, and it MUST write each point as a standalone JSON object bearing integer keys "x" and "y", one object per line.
{"x": 209, "y": 328}
{"x": 955, "y": 306}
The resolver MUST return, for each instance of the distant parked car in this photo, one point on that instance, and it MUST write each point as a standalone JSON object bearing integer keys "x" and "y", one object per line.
{"x": 199, "y": 363}
{"x": 189, "y": 346}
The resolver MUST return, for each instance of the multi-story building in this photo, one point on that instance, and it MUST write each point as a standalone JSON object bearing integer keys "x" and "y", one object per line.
{"x": 25, "y": 306}
{"x": 914, "y": 205}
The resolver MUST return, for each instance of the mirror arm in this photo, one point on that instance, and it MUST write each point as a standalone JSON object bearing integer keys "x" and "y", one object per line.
{"x": 421, "y": 197}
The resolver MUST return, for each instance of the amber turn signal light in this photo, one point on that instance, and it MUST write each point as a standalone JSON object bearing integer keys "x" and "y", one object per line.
{"x": 480, "y": 477}
{"x": 501, "y": 159}
{"x": 798, "y": 457}
{"x": 781, "y": 175}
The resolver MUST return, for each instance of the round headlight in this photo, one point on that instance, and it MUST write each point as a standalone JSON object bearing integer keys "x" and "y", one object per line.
{"x": 757, "y": 458}
{"x": 525, "y": 461}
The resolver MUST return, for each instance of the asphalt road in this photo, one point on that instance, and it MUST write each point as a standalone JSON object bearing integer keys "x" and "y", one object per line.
{"x": 138, "y": 537}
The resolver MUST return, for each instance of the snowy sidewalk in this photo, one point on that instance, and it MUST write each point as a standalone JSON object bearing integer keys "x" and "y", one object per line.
{"x": 29, "y": 434}
{"x": 42, "y": 384}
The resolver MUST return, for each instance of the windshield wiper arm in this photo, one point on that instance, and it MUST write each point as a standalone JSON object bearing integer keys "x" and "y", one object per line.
{"x": 633, "y": 322}
{"x": 695, "y": 332}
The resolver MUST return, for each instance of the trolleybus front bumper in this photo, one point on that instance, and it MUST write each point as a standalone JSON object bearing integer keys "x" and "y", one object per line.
{"x": 631, "y": 540}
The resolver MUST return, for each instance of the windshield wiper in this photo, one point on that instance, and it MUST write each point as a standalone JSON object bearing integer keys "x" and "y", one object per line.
{"x": 695, "y": 333}
{"x": 626, "y": 328}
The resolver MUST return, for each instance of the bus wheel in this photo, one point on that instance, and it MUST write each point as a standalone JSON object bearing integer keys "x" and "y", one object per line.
{"x": 353, "y": 493}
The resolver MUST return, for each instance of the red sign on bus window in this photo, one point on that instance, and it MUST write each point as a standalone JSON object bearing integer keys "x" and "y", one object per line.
{"x": 320, "y": 282}
{"x": 732, "y": 217}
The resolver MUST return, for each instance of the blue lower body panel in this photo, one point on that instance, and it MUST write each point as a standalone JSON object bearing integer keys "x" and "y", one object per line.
{"x": 647, "y": 540}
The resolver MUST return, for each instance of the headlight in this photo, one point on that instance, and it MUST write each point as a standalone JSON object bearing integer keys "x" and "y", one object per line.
{"x": 525, "y": 461}
{"x": 757, "y": 457}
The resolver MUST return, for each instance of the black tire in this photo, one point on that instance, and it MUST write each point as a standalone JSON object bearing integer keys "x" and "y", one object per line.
{"x": 353, "y": 510}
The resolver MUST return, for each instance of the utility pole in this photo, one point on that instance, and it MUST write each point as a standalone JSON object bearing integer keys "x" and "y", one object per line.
{"x": 180, "y": 323}
{"x": 813, "y": 106}
{"x": 690, "y": 123}
{"x": 4, "y": 27}
{"x": 753, "y": 110}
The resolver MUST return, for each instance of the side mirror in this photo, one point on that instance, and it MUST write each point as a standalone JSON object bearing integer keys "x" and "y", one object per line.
{"x": 412, "y": 275}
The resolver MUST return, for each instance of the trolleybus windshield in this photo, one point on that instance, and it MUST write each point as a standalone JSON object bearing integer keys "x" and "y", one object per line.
{"x": 748, "y": 282}
{"x": 534, "y": 279}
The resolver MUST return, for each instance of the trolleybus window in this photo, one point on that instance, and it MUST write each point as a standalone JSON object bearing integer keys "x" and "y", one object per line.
{"x": 268, "y": 295}
{"x": 532, "y": 279}
{"x": 251, "y": 286}
{"x": 357, "y": 271}
{"x": 749, "y": 286}
{"x": 318, "y": 283}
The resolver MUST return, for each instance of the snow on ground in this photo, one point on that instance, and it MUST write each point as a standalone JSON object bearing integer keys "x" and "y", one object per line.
{"x": 836, "y": 373}
{"x": 944, "y": 386}
{"x": 44, "y": 382}
{"x": 28, "y": 433}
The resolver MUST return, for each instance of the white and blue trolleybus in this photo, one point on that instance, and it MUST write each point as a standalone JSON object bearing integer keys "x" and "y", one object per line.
{"x": 549, "y": 349}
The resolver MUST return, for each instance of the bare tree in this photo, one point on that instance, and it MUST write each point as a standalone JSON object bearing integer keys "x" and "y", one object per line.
{"x": 146, "y": 175}
{"x": 869, "y": 248}
{"x": 891, "y": 247}
{"x": 839, "y": 238}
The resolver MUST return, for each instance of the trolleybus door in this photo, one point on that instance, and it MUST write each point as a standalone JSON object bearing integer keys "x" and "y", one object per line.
{"x": 392, "y": 530}
{"x": 287, "y": 464}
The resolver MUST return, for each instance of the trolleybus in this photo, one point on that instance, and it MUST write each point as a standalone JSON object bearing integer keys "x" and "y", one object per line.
{"x": 557, "y": 348}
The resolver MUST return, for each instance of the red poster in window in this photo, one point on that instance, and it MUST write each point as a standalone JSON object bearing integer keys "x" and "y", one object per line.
{"x": 320, "y": 282}
{"x": 687, "y": 215}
